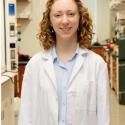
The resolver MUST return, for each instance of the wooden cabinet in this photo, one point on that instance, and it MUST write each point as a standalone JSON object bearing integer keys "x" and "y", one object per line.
{"x": 114, "y": 72}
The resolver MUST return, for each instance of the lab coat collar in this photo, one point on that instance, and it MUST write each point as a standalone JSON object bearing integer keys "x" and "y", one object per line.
{"x": 46, "y": 54}
{"x": 49, "y": 68}
{"x": 83, "y": 52}
{"x": 79, "y": 63}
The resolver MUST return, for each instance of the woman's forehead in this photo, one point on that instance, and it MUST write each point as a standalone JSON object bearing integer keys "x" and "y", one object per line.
{"x": 63, "y": 5}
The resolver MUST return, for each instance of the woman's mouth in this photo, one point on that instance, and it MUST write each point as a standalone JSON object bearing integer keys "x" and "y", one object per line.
{"x": 66, "y": 29}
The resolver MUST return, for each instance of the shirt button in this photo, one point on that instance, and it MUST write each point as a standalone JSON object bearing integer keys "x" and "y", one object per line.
{"x": 64, "y": 88}
{"x": 63, "y": 120}
{"x": 64, "y": 104}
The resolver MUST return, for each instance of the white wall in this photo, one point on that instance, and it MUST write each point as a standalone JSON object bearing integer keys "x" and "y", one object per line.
{"x": 99, "y": 9}
{"x": 103, "y": 20}
{"x": 91, "y": 5}
{"x": 29, "y": 43}
{"x": 2, "y": 39}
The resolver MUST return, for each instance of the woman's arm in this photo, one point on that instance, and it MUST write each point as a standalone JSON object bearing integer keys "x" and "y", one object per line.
{"x": 103, "y": 110}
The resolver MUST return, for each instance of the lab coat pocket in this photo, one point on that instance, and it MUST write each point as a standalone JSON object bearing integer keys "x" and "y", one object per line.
{"x": 86, "y": 96}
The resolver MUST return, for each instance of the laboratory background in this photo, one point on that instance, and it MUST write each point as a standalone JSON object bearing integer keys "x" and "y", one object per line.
{"x": 19, "y": 25}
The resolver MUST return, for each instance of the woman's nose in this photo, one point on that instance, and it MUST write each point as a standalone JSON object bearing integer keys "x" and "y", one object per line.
{"x": 65, "y": 19}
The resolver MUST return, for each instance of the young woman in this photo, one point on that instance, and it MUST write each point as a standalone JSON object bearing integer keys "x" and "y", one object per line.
{"x": 66, "y": 83}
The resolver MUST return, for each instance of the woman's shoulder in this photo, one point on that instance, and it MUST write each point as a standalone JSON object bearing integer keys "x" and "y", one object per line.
{"x": 94, "y": 57}
{"x": 38, "y": 58}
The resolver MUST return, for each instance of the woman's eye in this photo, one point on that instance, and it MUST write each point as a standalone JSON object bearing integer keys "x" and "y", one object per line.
{"x": 57, "y": 15}
{"x": 71, "y": 14}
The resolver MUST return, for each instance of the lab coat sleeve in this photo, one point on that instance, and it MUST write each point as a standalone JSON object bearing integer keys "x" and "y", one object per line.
{"x": 103, "y": 115}
{"x": 25, "y": 108}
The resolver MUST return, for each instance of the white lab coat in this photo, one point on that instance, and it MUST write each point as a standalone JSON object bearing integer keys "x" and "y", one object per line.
{"x": 87, "y": 95}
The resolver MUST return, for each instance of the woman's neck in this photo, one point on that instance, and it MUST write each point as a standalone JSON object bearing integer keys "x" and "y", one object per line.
{"x": 66, "y": 49}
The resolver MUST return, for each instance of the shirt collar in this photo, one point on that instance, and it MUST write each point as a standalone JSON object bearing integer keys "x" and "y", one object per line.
{"x": 54, "y": 54}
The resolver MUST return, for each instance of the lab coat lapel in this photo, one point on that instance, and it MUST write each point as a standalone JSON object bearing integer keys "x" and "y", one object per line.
{"x": 49, "y": 68}
{"x": 79, "y": 63}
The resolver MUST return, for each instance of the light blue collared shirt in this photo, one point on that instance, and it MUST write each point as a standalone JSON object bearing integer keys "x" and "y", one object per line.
{"x": 63, "y": 73}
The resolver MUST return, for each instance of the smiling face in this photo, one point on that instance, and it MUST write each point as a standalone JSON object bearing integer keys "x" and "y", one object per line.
{"x": 64, "y": 18}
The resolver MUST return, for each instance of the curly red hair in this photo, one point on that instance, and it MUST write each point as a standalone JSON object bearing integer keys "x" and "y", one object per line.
{"x": 47, "y": 36}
